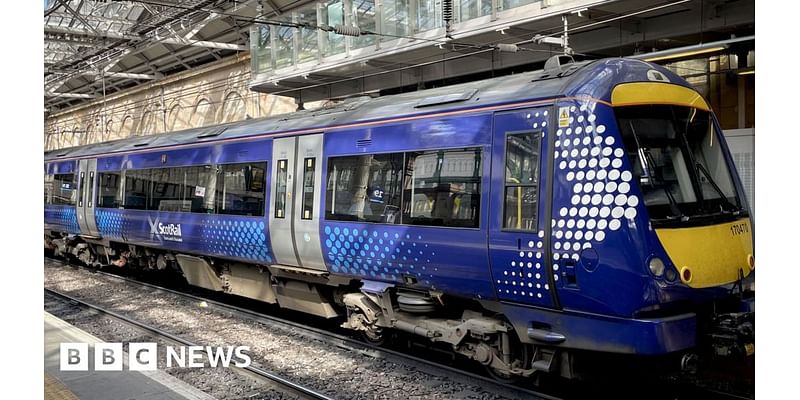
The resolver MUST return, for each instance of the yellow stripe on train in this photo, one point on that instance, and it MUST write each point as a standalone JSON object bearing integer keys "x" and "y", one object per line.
{"x": 639, "y": 93}
{"x": 709, "y": 256}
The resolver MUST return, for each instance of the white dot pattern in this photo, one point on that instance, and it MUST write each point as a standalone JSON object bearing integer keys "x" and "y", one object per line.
{"x": 600, "y": 200}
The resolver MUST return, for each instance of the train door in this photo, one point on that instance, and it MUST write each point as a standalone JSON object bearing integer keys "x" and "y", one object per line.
{"x": 519, "y": 222}
{"x": 87, "y": 171}
{"x": 294, "y": 207}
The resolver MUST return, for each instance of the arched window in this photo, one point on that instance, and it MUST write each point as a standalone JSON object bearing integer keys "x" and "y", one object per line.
{"x": 109, "y": 131}
{"x": 89, "y": 134}
{"x": 146, "y": 126}
{"x": 77, "y": 135}
{"x": 176, "y": 119}
{"x": 233, "y": 108}
{"x": 203, "y": 114}
{"x": 126, "y": 129}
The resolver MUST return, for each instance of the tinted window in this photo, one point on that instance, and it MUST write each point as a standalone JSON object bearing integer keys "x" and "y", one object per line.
{"x": 169, "y": 190}
{"x": 62, "y": 189}
{"x": 108, "y": 194}
{"x": 137, "y": 189}
{"x": 48, "y": 189}
{"x": 521, "y": 180}
{"x": 309, "y": 166}
{"x": 443, "y": 188}
{"x": 280, "y": 189}
{"x": 240, "y": 189}
{"x": 364, "y": 188}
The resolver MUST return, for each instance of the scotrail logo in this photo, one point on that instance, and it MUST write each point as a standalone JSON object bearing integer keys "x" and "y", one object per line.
{"x": 161, "y": 231}
{"x": 144, "y": 356}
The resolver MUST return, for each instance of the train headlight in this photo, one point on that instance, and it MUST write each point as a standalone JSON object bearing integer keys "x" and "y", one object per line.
{"x": 671, "y": 274}
{"x": 656, "y": 266}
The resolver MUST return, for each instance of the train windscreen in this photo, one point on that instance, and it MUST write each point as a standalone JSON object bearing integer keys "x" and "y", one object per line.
{"x": 679, "y": 164}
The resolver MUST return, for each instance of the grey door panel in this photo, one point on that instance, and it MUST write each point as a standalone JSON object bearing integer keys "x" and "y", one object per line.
{"x": 81, "y": 204}
{"x": 308, "y": 179}
{"x": 281, "y": 206}
{"x": 91, "y": 197}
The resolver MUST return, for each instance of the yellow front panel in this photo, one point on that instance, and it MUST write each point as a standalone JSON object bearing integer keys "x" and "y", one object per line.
{"x": 647, "y": 93}
{"x": 714, "y": 254}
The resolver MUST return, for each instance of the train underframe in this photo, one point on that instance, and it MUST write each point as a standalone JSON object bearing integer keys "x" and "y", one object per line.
{"x": 374, "y": 309}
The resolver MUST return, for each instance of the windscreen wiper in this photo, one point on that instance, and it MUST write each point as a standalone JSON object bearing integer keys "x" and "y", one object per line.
{"x": 650, "y": 166}
{"x": 700, "y": 167}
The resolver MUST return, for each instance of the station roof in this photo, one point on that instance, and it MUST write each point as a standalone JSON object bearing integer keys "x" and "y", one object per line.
{"x": 92, "y": 47}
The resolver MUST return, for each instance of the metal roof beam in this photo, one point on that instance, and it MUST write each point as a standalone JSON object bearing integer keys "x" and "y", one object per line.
{"x": 69, "y": 95}
{"x": 204, "y": 43}
{"x": 125, "y": 75}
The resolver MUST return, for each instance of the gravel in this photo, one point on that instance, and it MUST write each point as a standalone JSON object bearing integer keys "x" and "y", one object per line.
{"x": 337, "y": 372}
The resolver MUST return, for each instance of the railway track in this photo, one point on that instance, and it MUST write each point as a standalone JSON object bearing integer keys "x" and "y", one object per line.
{"x": 376, "y": 351}
{"x": 328, "y": 337}
{"x": 272, "y": 379}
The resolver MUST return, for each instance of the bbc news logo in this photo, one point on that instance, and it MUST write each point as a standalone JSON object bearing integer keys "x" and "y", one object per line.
{"x": 144, "y": 356}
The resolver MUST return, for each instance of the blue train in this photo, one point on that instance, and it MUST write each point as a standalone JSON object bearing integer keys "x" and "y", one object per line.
{"x": 590, "y": 207}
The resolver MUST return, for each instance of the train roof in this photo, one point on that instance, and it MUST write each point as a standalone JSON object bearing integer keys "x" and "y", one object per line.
{"x": 593, "y": 79}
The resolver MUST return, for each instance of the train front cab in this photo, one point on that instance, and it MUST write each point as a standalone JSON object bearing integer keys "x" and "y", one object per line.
{"x": 670, "y": 242}
{"x": 704, "y": 254}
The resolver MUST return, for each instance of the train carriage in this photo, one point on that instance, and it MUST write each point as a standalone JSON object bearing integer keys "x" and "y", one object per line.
{"x": 589, "y": 206}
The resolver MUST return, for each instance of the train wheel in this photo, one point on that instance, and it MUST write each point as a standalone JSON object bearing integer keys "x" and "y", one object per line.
{"x": 373, "y": 335}
{"x": 521, "y": 356}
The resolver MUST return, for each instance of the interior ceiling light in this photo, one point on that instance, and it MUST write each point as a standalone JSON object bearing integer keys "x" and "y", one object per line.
{"x": 747, "y": 72}
{"x": 688, "y": 51}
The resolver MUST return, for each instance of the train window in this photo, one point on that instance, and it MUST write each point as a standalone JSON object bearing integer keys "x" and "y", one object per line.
{"x": 280, "y": 188}
{"x": 184, "y": 189}
{"x": 91, "y": 186}
{"x": 48, "y": 189}
{"x": 82, "y": 190}
{"x": 108, "y": 195}
{"x": 137, "y": 189}
{"x": 443, "y": 188}
{"x": 309, "y": 167}
{"x": 64, "y": 189}
{"x": 168, "y": 190}
{"x": 521, "y": 180}
{"x": 199, "y": 188}
{"x": 364, "y": 188}
{"x": 240, "y": 189}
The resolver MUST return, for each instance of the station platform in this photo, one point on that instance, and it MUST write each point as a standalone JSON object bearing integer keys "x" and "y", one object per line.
{"x": 90, "y": 385}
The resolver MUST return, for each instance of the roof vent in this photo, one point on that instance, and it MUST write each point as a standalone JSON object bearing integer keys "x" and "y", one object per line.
{"x": 363, "y": 142}
{"x": 61, "y": 155}
{"x": 213, "y": 132}
{"x": 141, "y": 144}
{"x": 447, "y": 98}
{"x": 557, "y": 67}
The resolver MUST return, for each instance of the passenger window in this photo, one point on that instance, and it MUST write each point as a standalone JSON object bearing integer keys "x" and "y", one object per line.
{"x": 443, "y": 188}
{"x": 364, "y": 188}
{"x": 137, "y": 188}
{"x": 240, "y": 189}
{"x": 64, "y": 192}
{"x": 48, "y": 189}
{"x": 308, "y": 188}
{"x": 108, "y": 190}
{"x": 280, "y": 189}
{"x": 521, "y": 180}
{"x": 168, "y": 190}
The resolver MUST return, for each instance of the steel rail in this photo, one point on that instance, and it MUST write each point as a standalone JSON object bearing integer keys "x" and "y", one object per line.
{"x": 325, "y": 336}
{"x": 258, "y": 372}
